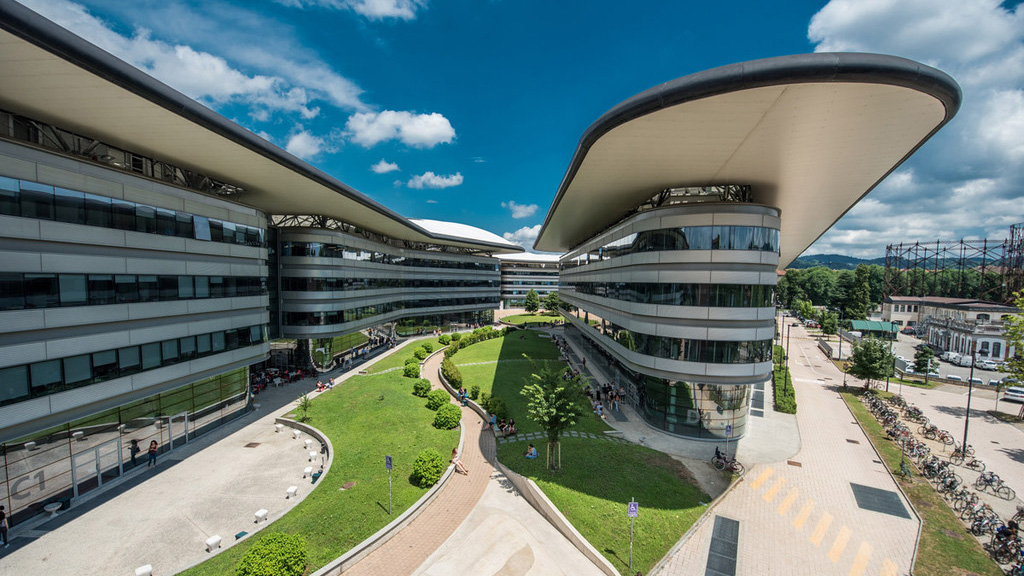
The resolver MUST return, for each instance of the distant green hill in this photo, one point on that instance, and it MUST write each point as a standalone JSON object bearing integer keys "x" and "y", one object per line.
{"x": 833, "y": 261}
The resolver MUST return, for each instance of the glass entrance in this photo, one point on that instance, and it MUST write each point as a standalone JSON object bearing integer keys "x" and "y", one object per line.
{"x": 92, "y": 467}
{"x": 177, "y": 430}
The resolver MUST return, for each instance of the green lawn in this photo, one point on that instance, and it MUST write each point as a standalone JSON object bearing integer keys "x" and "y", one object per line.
{"x": 366, "y": 418}
{"x": 397, "y": 359}
{"x": 532, "y": 318}
{"x": 946, "y": 547}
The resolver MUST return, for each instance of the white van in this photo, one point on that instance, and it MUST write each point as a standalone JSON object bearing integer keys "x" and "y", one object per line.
{"x": 954, "y": 378}
{"x": 951, "y": 357}
{"x": 1014, "y": 393}
{"x": 964, "y": 360}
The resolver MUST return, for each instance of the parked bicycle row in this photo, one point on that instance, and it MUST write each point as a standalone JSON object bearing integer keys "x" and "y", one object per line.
{"x": 1004, "y": 545}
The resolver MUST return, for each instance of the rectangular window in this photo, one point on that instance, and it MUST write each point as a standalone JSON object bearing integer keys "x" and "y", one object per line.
{"x": 187, "y": 347}
{"x": 255, "y": 334}
{"x": 166, "y": 222}
{"x": 45, "y": 376}
{"x": 12, "y": 291}
{"x": 183, "y": 225}
{"x": 202, "y": 227}
{"x": 202, "y": 286}
{"x": 145, "y": 218}
{"x": 77, "y": 369}
{"x": 216, "y": 230}
{"x": 231, "y": 340}
{"x": 13, "y": 383}
{"x": 41, "y": 290}
{"x": 217, "y": 287}
{"x": 149, "y": 289}
{"x": 73, "y": 290}
{"x": 150, "y": 356}
{"x": 127, "y": 288}
{"x": 70, "y": 206}
{"x": 203, "y": 344}
{"x": 185, "y": 287}
{"x": 128, "y": 360}
{"x": 36, "y": 200}
{"x": 101, "y": 289}
{"x": 123, "y": 214}
{"x": 168, "y": 287}
{"x": 218, "y": 342}
{"x": 10, "y": 197}
{"x": 97, "y": 211}
{"x": 104, "y": 365}
{"x": 169, "y": 351}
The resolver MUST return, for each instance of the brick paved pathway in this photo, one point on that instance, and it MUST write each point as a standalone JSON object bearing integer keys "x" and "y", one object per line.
{"x": 405, "y": 552}
{"x": 800, "y": 517}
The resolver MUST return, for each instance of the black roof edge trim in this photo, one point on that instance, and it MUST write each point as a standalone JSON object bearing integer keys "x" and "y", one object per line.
{"x": 840, "y": 67}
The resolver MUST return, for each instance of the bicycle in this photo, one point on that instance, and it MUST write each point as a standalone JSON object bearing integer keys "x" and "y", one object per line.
{"x": 730, "y": 464}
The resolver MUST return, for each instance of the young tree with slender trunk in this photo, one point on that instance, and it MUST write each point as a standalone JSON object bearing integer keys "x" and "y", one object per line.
{"x": 555, "y": 403}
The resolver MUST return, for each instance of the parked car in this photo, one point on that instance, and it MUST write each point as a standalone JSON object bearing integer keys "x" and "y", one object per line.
{"x": 1014, "y": 393}
{"x": 994, "y": 383}
{"x": 987, "y": 365}
{"x": 977, "y": 382}
{"x": 909, "y": 330}
{"x": 964, "y": 360}
{"x": 950, "y": 356}
{"x": 954, "y": 378}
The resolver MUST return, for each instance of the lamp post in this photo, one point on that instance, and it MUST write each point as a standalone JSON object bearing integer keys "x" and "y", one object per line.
{"x": 785, "y": 383}
{"x": 970, "y": 388}
{"x": 892, "y": 337}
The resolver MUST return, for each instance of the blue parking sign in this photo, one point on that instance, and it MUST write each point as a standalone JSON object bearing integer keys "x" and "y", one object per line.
{"x": 634, "y": 509}
{"x": 728, "y": 430}
{"x": 387, "y": 462}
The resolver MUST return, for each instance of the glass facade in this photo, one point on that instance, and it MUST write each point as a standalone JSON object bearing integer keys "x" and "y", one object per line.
{"x": 41, "y": 201}
{"x": 333, "y": 317}
{"x": 62, "y": 462}
{"x": 339, "y": 251}
{"x": 675, "y": 294}
{"x": 684, "y": 238}
{"x": 19, "y": 383}
{"x": 20, "y": 291}
{"x": 346, "y": 284}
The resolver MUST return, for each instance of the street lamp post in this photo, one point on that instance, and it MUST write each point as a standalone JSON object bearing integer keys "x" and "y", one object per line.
{"x": 785, "y": 383}
{"x": 970, "y": 388}
{"x": 892, "y": 369}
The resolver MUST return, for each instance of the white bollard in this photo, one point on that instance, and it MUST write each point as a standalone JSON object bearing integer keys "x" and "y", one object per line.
{"x": 309, "y": 443}
{"x": 261, "y": 515}
{"x": 278, "y": 428}
{"x": 296, "y": 434}
{"x": 307, "y": 471}
{"x": 146, "y": 570}
{"x": 313, "y": 455}
{"x": 291, "y": 492}
{"x": 212, "y": 543}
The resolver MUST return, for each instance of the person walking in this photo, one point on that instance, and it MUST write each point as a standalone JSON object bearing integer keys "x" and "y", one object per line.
{"x": 3, "y": 527}
{"x": 153, "y": 449}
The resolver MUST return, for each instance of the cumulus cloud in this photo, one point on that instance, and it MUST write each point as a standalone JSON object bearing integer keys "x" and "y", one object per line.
{"x": 431, "y": 180}
{"x": 525, "y": 236}
{"x": 965, "y": 182}
{"x": 305, "y": 145}
{"x": 371, "y": 9}
{"x": 383, "y": 167}
{"x": 520, "y": 210}
{"x": 417, "y": 130}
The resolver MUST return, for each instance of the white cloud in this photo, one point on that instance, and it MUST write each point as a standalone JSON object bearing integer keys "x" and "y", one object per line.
{"x": 383, "y": 167}
{"x": 371, "y": 9}
{"x": 431, "y": 201}
{"x": 417, "y": 130}
{"x": 305, "y": 145}
{"x": 965, "y": 182}
{"x": 520, "y": 210}
{"x": 525, "y": 236}
{"x": 431, "y": 180}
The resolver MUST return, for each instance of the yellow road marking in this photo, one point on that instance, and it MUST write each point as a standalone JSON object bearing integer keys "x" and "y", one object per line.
{"x": 788, "y": 502}
{"x": 860, "y": 563}
{"x": 774, "y": 490}
{"x": 804, "y": 514}
{"x": 839, "y": 544}
{"x": 821, "y": 528}
{"x": 889, "y": 568}
{"x": 761, "y": 478}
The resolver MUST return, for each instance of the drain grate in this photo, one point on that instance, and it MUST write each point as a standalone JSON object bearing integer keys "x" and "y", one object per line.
{"x": 877, "y": 461}
{"x": 851, "y": 441}
{"x": 724, "y": 545}
{"x": 252, "y": 444}
{"x": 794, "y": 463}
{"x": 877, "y": 500}
{"x": 993, "y": 441}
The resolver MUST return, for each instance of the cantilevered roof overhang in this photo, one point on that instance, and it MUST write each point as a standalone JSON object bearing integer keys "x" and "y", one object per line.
{"x": 50, "y": 74}
{"x": 811, "y": 134}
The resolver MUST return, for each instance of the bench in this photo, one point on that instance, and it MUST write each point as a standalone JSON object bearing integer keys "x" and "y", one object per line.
{"x": 52, "y": 508}
{"x": 292, "y": 490}
{"x": 212, "y": 543}
{"x": 241, "y": 535}
{"x": 307, "y": 471}
{"x": 261, "y": 515}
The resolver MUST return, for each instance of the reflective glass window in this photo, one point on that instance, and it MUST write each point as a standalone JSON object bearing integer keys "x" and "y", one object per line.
{"x": 77, "y": 369}
{"x": 104, "y": 365}
{"x": 149, "y": 289}
{"x": 97, "y": 211}
{"x": 13, "y": 383}
{"x": 202, "y": 286}
{"x": 169, "y": 351}
{"x": 145, "y": 218}
{"x": 69, "y": 206}
{"x": 45, "y": 374}
{"x": 203, "y": 344}
{"x": 218, "y": 342}
{"x": 10, "y": 196}
{"x": 127, "y": 289}
{"x": 12, "y": 291}
{"x": 73, "y": 289}
{"x": 185, "y": 287}
{"x": 129, "y": 360}
{"x": 36, "y": 200}
{"x": 166, "y": 222}
{"x": 168, "y": 287}
{"x": 183, "y": 225}
{"x": 123, "y": 214}
{"x": 41, "y": 290}
{"x": 151, "y": 355}
{"x": 101, "y": 289}
{"x": 217, "y": 287}
{"x": 187, "y": 347}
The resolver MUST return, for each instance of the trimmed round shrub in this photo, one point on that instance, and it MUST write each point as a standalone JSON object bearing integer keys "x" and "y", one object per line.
{"x": 275, "y": 554}
{"x": 420, "y": 353}
{"x": 456, "y": 337}
{"x": 436, "y": 399}
{"x": 447, "y": 417}
{"x": 412, "y": 360}
{"x": 412, "y": 370}
{"x": 474, "y": 391}
{"x": 444, "y": 339}
{"x": 496, "y": 406}
{"x": 427, "y": 468}
{"x": 421, "y": 388}
{"x": 428, "y": 347}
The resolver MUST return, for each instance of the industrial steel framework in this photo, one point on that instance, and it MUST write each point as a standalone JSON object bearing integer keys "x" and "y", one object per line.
{"x": 977, "y": 269}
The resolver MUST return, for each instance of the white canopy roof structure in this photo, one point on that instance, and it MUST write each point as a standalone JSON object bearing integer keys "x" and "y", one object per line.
{"x": 810, "y": 134}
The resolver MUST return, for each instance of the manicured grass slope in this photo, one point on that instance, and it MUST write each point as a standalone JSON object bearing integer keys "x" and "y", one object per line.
{"x": 366, "y": 418}
{"x": 946, "y": 547}
{"x": 539, "y": 317}
{"x": 397, "y": 359}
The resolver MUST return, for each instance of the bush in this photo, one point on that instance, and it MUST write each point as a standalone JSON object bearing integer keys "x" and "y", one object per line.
{"x": 447, "y": 417}
{"x": 437, "y": 398}
{"x": 451, "y": 373}
{"x": 444, "y": 339}
{"x": 412, "y": 360}
{"x": 474, "y": 391}
{"x": 427, "y": 468}
{"x": 420, "y": 353}
{"x": 275, "y": 554}
{"x": 412, "y": 370}
{"x": 421, "y": 388}
{"x": 496, "y": 406}
{"x": 483, "y": 400}
{"x": 428, "y": 347}
{"x": 456, "y": 337}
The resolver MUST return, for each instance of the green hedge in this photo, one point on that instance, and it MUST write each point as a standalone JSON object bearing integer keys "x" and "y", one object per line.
{"x": 785, "y": 395}
{"x": 451, "y": 372}
{"x": 421, "y": 388}
{"x": 447, "y": 417}
{"x": 437, "y": 398}
{"x": 275, "y": 554}
{"x": 427, "y": 469}
{"x": 412, "y": 371}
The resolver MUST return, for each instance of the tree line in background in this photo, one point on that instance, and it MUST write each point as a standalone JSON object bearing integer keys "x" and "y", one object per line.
{"x": 854, "y": 292}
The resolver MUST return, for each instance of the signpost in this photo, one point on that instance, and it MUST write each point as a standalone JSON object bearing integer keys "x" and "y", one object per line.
{"x": 633, "y": 511}
{"x": 387, "y": 464}
{"x": 728, "y": 434}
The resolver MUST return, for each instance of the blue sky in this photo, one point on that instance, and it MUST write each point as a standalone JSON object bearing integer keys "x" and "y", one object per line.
{"x": 470, "y": 111}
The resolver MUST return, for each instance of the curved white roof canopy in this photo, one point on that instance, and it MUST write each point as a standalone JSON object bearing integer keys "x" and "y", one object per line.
{"x": 811, "y": 134}
{"x": 50, "y": 74}
{"x": 457, "y": 231}
{"x": 530, "y": 257}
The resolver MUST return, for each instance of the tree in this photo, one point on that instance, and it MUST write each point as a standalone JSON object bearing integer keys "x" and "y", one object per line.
{"x": 819, "y": 285}
{"x": 532, "y": 303}
{"x": 552, "y": 302}
{"x": 554, "y": 403}
{"x": 1015, "y": 342}
{"x": 829, "y": 322}
{"x": 923, "y": 362}
{"x": 305, "y": 404}
{"x": 858, "y": 301}
{"x": 871, "y": 360}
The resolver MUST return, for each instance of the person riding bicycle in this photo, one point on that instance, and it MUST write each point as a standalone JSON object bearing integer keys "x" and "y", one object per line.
{"x": 718, "y": 454}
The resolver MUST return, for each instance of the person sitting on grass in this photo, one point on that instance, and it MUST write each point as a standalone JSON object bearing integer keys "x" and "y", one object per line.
{"x": 510, "y": 428}
{"x": 531, "y": 452}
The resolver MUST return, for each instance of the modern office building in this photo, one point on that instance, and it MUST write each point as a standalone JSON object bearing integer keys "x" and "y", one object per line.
{"x": 680, "y": 204}
{"x": 521, "y": 273}
{"x": 150, "y": 249}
